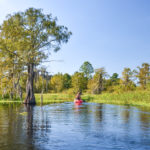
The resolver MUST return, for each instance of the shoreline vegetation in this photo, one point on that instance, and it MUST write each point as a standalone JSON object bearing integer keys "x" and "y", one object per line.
{"x": 132, "y": 98}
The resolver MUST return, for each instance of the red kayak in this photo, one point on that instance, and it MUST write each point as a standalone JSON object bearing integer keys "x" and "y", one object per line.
{"x": 78, "y": 101}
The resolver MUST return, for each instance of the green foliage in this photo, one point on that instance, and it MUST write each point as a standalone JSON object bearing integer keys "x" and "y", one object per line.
{"x": 97, "y": 84}
{"x": 112, "y": 82}
{"x": 124, "y": 88}
{"x": 60, "y": 82}
{"x": 67, "y": 81}
{"x": 126, "y": 76}
{"x": 57, "y": 82}
{"x": 114, "y": 76}
{"x": 114, "y": 79}
{"x": 87, "y": 69}
{"x": 126, "y": 82}
{"x": 25, "y": 34}
{"x": 144, "y": 75}
{"x": 40, "y": 85}
{"x": 79, "y": 82}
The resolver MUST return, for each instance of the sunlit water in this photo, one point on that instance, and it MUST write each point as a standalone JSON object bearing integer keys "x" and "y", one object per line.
{"x": 66, "y": 126}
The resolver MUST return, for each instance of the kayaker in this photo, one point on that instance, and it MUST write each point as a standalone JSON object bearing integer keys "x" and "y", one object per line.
{"x": 78, "y": 96}
{"x": 78, "y": 99}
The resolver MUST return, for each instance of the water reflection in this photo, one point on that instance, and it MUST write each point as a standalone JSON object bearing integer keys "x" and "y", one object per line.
{"x": 126, "y": 114}
{"x": 99, "y": 113}
{"x": 67, "y": 126}
{"x": 30, "y": 128}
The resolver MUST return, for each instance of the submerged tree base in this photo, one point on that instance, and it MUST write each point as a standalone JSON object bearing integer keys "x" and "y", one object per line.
{"x": 30, "y": 101}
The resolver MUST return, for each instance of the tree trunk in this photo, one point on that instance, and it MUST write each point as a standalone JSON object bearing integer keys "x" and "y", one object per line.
{"x": 30, "y": 98}
{"x": 20, "y": 92}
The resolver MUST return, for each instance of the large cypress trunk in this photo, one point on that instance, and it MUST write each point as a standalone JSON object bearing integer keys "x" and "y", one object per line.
{"x": 30, "y": 98}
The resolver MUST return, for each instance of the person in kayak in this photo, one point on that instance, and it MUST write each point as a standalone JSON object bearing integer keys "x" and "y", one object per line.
{"x": 77, "y": 99}
{"x": 78, "y": 96}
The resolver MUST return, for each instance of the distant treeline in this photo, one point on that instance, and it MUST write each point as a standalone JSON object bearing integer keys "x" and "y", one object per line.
{"x": 87, "y": 79}
{"x": 95, "y": 81}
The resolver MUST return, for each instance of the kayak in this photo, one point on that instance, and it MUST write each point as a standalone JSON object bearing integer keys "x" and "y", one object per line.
{"x": 78, "y": 101}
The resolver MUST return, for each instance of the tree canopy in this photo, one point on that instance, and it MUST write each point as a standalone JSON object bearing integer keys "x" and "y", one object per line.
{"x": 79, "y": 81}
{"x": 87, "y": 69}
{"x": 26, "y": 39}
{"x": 30, "y": 36}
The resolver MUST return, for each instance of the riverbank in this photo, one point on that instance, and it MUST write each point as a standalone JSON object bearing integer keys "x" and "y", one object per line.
{"x": 134, "y": 98}
{"x": 47, "y": 99}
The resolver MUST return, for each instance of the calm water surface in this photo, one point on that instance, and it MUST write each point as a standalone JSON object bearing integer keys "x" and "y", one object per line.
{"x": 68, "y": 127}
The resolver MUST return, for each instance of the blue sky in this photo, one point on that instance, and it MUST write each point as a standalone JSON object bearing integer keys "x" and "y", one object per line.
{"x": 108, "y": 33}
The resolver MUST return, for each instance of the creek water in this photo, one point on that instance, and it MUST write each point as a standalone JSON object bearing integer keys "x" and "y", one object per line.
{"x": 66, "y": 126}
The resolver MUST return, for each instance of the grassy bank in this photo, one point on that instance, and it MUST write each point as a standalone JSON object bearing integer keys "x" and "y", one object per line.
{"x": 54, "y": 98}
{"x": 136, "y": 98}
{"x": 47, "y": 99}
